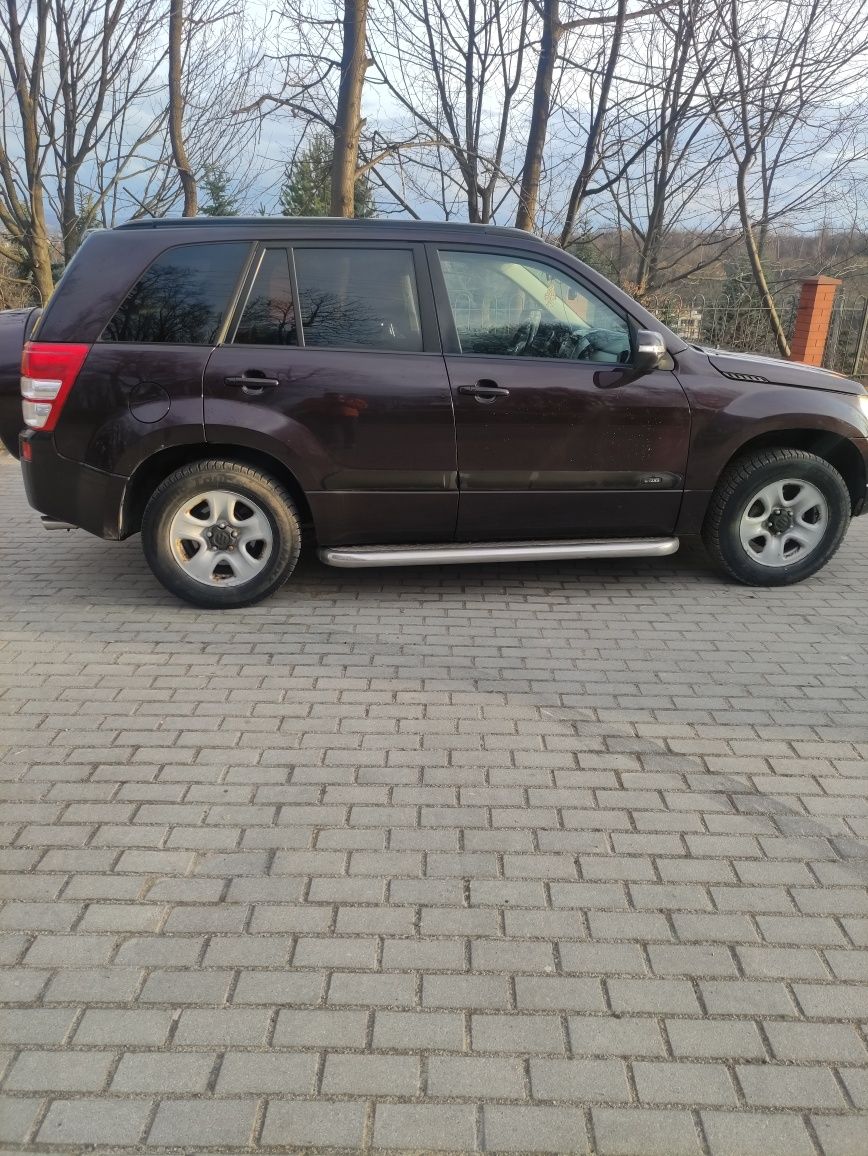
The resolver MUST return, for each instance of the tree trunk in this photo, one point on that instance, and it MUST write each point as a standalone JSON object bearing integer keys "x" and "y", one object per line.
{"x": 25, "y": 220}
{"x": 176, "y": 108}
{"x": 39, "y": 250}
{"x": 528, "y": 195}
{"x": 595, "y": 131}
{"x": 348, "y": 119}
{"x": 756, "y": 265}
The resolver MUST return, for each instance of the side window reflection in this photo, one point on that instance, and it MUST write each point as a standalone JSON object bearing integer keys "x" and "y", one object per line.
{"x": 510, "y": 306}
{"x": 182, "y": 297}
{"x": 358, "y": 298}
{"x": 269, "y": 315}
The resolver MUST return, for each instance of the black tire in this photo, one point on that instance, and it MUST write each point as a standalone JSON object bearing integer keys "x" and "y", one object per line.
{"x": 271, "y": 498}
{"x": 729, "y": 503}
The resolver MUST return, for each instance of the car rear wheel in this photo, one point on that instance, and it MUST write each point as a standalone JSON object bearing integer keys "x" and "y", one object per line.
{"x": 777, "y": 517}
{"x": 220, "y": 534}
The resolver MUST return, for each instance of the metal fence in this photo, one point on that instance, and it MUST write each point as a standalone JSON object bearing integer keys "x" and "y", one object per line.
{"x": 847, "y": 343}
{"x": 740, "y": 323}
{"x": 734, "y": 322}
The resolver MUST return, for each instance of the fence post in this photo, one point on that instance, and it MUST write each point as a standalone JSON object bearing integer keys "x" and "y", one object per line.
{"x": 813, "y": 316}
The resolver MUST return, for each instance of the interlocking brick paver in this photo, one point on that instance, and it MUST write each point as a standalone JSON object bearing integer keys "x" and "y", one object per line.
{"x": 715, "y": 1039}
{"x": 17, "y": 1117}
{"x": 94, "y": 1121}
{"x": 816, "y": 1042}
{"x": 78, "y": 985}
{"x": 519, "y": 1033}
{"x": 683, "y": 1083}
{"x": 35, "y": 1071}
{"x": 371, "y": 1075}
{"x": 482, "y": 1077}
{"x": 321, "y": 1028}
{"x": 122, "y": 1026}
{"x": 260, "y": 1072}
{"x": 35, "y": 1025}
{"x": 434, "y": 1031}
{"x": 203, "y": 1122}
{"x": 581, "y": 1079}
{"x": 645, "y": 1132}
{"x": 621, "y": 1036}
{"x": 517, "y": 858}
{"x": 314, "y": 1124}
{"x": 776, "y": 1086}
{"x": 747, "y": 1133}
{"x": 440, "y": 1127}
{"x": 534, "y": 1129}
{"x": 163, "y": 1072}
{"x": 841, "y": 1136}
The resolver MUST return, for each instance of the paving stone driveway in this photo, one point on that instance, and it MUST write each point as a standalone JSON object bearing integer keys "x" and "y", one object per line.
{"x": 562, "y": 858}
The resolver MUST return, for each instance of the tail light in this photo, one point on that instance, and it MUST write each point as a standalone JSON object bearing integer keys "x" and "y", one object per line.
{"x": 48, "y": 373}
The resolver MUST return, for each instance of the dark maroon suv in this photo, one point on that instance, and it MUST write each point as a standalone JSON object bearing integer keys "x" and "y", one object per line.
{"x": 404, "y": 393}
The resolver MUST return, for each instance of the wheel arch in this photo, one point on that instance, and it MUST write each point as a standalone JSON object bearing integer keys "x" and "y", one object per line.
{"x": 156, "y": 468}
{"x": 837, "y": 450}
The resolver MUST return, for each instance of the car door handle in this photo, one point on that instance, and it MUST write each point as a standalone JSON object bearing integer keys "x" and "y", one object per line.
{"x": 484, "y": 390}
{"x": 252, "y": 382}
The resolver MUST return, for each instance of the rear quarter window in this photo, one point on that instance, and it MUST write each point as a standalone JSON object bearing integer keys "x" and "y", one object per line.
{"x": 182, "y": 298}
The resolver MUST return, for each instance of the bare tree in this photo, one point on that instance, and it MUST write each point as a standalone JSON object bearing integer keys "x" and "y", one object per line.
{"x": 557, "y": 21}
{"x": 86, "y": 134}
{"x": 551, "y": 31}
{"x": 348, "y": 114}
{"x": 22, "y": 204}
{"x": 177, "y": 103}
{"x": 315, "y": 70}
{"x": 456, "y": 72}
{"x": 75, "y": 67}
{"x": 789, "y": 102}
{"x": 670, "y": 197}
{"x": 212, "y": 51}
{"x": 107, "y": 58}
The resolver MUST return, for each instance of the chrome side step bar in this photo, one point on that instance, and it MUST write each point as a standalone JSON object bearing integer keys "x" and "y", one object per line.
{"x": 356, "y": 557}
{"x": 52, "y": 524}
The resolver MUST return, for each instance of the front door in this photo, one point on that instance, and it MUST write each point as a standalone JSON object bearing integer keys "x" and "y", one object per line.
{"x": 548, "y": 447}
{"x": 333, "y": 364}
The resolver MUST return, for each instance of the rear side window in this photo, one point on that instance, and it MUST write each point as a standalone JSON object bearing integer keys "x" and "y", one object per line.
{"x": 359, "y": 298}
{"x": 269, "y": 315}
{"x": 182, "y": 297}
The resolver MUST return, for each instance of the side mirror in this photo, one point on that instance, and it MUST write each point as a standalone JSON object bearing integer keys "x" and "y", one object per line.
{"x": 650, "y": 350}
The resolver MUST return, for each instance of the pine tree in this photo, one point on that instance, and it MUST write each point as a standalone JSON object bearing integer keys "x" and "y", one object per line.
{"x": 306, "y": 186}
{"x": 221, "y": 202}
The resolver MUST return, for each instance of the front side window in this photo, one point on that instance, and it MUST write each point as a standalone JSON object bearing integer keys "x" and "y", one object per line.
{"x": 269, "y": 315}
{"x": 359, "y": 298}
{"x": 512, "y": 306}
{"x": 182, "y": 298}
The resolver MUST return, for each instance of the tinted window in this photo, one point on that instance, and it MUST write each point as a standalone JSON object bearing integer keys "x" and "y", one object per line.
{"x": 515, "y": 307}
{"x": 182, "y": 298}
{"x": 358, "y": 298}
{"x": 269, "y": 315}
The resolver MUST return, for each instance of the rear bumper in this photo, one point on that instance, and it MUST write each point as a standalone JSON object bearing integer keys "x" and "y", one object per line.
{"x": 68, "y": 491}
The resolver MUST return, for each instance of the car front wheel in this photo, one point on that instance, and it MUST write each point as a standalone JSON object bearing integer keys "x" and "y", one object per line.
{"x": 777, "y": 517}
{"x": 220, "y": 534}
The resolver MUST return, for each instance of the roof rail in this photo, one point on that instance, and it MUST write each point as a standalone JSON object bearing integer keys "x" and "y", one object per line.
{"x": 362, "y": 224}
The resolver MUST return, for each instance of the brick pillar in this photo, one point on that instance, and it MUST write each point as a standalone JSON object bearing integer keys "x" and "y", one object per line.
{"x": 813, "y": 318}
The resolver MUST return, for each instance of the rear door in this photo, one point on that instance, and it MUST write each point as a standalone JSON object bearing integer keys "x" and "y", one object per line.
{"x": 140, "y": 389}
{"x": 553, "y": 439}
{"x": 333, "y": 364}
